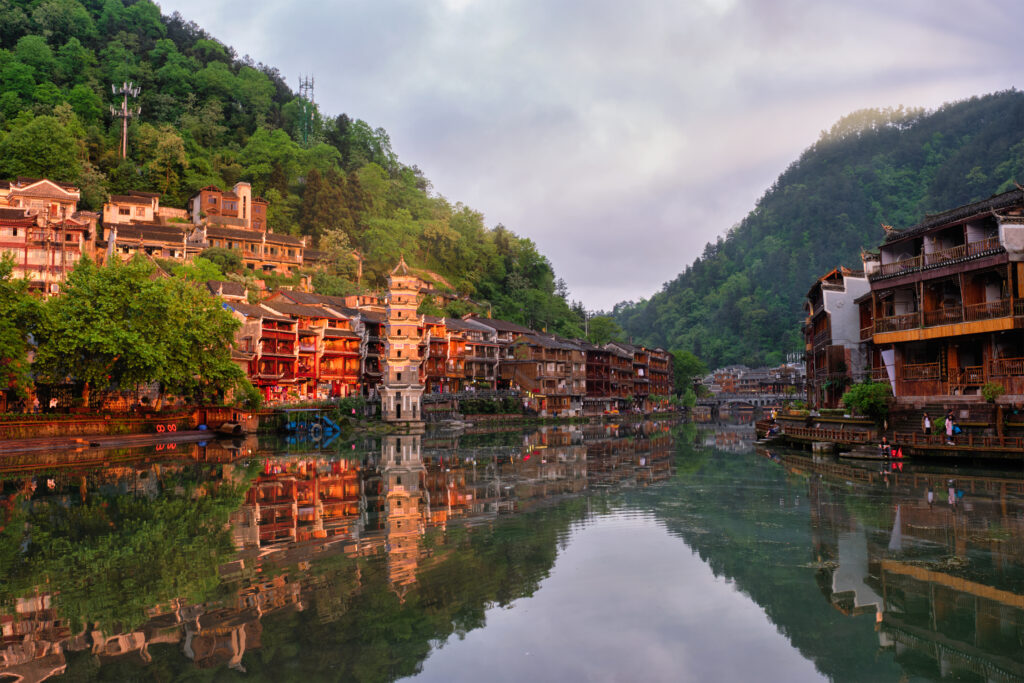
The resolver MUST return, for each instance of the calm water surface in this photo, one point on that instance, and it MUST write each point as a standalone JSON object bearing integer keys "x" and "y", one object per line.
{"x": 597, "y": 553}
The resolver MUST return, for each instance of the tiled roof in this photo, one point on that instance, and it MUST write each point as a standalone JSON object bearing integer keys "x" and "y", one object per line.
{"x": 226, "y": 287}
{"x": 502, "y": 325}
{"x": 301, "y": 310}
{"x": 128, "y": 199}
{"x": 158, "y": 233}
{"x": 283, "y": 239}
{"x": 22, "y": 181}
{"x": 215, "y": 219}
{"x": 994, "y": 203}
{"x": 251, "y": 311}
{"x": 9, "y": 214}
{"x": 234, "y": 233}
{"x": 341, "y": 334}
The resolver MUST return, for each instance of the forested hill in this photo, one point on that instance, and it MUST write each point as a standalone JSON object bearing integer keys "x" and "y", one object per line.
{"x": 211, "y": 118}
{"x": 741, "y": 300}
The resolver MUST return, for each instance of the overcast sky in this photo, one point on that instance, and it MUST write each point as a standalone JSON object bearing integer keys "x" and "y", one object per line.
{"x": 620, "y": 136}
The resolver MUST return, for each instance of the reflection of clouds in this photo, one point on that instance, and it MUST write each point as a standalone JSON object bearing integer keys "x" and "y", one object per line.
{"x": 608, "y": 118}
{"x": 670, "y": 615}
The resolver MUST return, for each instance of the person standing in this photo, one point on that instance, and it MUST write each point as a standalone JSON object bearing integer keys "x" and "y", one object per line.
{"x": 926, "y": 425}
{"x": 949, "y": 429}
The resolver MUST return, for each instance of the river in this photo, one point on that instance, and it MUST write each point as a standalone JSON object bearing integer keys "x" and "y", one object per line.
{"x": 650, "y": 552}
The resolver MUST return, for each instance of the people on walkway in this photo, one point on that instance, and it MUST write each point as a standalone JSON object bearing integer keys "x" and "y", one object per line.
{"x": 949, "y": 428}
{"x": 926, "y": 425}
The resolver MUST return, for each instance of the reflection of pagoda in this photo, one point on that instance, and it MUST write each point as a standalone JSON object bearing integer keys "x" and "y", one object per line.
{"x": 401, "y": 392}
{"x": 402, "y": 471}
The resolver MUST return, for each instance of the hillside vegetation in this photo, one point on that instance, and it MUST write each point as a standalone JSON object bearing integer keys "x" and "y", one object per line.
{"x": 740, "y": 301}
{"x": 212, "y": 118}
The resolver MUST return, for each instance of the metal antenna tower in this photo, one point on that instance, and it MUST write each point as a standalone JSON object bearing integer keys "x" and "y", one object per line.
{"x": 306, "y": 94}
{"x": 126, "y": 89}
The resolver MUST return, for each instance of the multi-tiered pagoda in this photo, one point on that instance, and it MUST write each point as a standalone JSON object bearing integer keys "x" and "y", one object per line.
{"x": 401, "y": 392}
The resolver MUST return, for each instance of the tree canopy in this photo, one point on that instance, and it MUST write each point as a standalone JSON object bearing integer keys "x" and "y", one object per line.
{"x": 124, "y": 325}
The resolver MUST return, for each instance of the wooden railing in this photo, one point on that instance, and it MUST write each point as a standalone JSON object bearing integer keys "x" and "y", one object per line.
{"x": 1007, "y": 367}
{"x": 822, "y": 337}
{"x": 987, "y": 310}
{"x": 944, "y": 316}
{"x": 960, "y": 251}
{"x": 921, "y": 371}
{"x": 907, "y": 321}
{"x": 879, "y": 375}
{"x": 972, "y": 375}
{"x": 963, "y": 440}
{"x": 834, "y": 435}
{"x": 907, "y": 264}
{"x": 866, "y": 332}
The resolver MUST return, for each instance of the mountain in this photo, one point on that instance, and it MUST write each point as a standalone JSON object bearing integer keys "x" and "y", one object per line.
{"x": 740, "y": 301}
{"x": 208, "y": 117}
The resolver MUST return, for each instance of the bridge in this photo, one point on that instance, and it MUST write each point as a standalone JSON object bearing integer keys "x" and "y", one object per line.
{"x": 752, "y": 400}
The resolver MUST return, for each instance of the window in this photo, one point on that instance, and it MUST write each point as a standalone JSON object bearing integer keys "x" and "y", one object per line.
{"x": 140, "y": 211}
{"x": 211, "y": 200}
{"x": 124, "y": 212}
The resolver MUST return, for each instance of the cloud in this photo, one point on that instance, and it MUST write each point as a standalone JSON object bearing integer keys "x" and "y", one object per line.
{"x": 621, "y": 137}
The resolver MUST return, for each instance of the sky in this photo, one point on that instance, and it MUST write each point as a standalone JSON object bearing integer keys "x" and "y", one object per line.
{"x": 620, "y": 137}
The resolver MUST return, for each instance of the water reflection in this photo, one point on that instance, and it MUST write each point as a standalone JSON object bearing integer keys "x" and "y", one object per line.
{"x": 935, "y": 556}
{"x": 286, "y": 560}
{"x": 190, "y": 549}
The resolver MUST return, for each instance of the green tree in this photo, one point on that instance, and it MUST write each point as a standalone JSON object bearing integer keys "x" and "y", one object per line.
{"x": 870, "y": 399}
{"x": 19, "y": 316}
{"x": 122, "y": 325}
{"x": 40, "y": 148}
{"x": 602, "y": 329}
{"x": 685, "y": 367}
{"x": 225, "y": 260}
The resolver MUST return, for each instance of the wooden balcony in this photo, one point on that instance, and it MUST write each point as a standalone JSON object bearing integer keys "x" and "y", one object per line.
{"x": 904, "y": 266}
{"x": 907, "y": 321}
{"x": 920, "y": 371}
{"x": 937, "y": 258}
{"x": 950, "y": 315}
{"x": 961, "y": 251}
{"x": 944, "y": 316}
{"x": 1006, "y": 367}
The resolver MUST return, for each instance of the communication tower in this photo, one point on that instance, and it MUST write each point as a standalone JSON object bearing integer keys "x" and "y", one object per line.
{"x": 126, "y": 90}
{"x": 306, "y": 84}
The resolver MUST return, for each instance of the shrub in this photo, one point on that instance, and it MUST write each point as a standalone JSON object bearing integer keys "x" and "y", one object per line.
{"x": 992, "y": 391}
{"x": 870, "y": 399}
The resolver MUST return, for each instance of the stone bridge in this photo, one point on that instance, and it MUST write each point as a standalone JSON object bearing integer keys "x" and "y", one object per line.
{"x": 752, "y": 400}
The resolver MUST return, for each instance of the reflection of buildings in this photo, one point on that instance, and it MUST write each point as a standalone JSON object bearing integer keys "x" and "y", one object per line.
{"x": 944, "y": 582}
{"x": 402, "y": 474}
{"x": 305, "y": 512}
{"x": 731, "y": 438}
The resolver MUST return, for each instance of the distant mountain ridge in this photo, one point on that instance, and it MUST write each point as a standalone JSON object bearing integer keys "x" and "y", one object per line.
{"x": 740, "y": 301}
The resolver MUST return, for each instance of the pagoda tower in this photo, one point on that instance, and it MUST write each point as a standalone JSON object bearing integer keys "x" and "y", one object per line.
{"x": 401, "y": 393}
